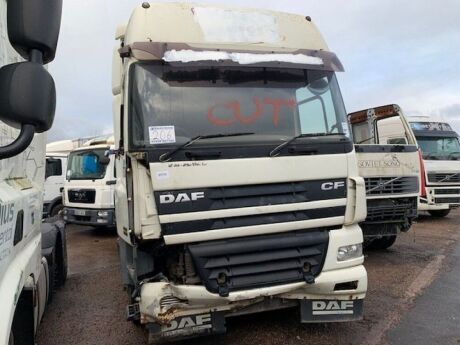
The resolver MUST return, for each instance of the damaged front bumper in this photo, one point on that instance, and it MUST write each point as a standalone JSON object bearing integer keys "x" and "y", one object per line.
{"x": 175, "y": 311}
{"x": 336, "y": 294}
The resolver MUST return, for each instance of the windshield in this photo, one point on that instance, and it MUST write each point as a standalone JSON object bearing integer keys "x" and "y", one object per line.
{"x": 87, "y": 165}
{"x": 435, "y": 148}
{"x": 171, "y": 105}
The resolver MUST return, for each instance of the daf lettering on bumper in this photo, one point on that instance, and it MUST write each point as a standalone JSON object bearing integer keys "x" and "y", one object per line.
{"x": 331, "y": 310}
{"x": 332, "y": 307}
{"x": 181, "y": 197}
{"x": 193, "y": 323}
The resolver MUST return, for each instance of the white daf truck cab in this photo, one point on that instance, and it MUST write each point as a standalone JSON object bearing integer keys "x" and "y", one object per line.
{"x": 389, "y": 162}
{"x": 90, "y": 185}
{"x": 32, "y": 253}
{"x": 238, "y": 189}
{"x": 440, "y": 146}
{"x": 55, "y": 172}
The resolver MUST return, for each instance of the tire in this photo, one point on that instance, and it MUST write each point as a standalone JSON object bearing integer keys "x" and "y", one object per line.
{"x": 384, "y": 242}
{"x": 439, "y": 213}
{"x": 51, "y": 278}
{"x": 55, "y": 210}
{"x": 11, "y": 340}
{"x": 60, "y": 265}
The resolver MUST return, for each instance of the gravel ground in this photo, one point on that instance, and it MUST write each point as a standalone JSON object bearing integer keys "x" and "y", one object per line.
{"x": 90, "y": 308}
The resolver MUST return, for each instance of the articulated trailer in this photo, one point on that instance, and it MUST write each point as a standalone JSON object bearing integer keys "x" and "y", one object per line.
{"x": 389, "y": 162}
{"x": 238, "y": 189}
{"x": 32, "y": 253}
{"x": 440, "y": 147}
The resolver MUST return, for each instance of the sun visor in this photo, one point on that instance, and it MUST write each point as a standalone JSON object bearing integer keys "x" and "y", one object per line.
{"x": 181, "y": 54}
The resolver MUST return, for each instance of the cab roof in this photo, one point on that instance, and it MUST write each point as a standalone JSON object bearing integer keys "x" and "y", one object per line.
{"x": 157, "y": 28}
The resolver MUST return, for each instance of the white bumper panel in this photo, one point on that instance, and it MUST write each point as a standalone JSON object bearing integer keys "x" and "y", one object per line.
{"x": 436, "y": 194}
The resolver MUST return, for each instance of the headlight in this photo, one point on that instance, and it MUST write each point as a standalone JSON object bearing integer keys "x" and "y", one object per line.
{"x": 103, "y": 213}
{"x": 350, "y": 252}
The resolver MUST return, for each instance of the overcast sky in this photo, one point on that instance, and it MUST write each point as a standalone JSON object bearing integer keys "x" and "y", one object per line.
{"x": 404, "y": 52}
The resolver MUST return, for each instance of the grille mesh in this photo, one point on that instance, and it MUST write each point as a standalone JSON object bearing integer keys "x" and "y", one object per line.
{"x": 84, "y": 196}
{"x": 447, "y": 200}
{"x": 391, "y": 185}
{"x": 444, "y": 177}
{"x": 446, "y": 191}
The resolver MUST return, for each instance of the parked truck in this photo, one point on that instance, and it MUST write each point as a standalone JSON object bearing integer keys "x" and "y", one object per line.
{"x": 238, "y": 189}
{"x": 56, "y": 169}
{"x": 55, "y": 172}
{"x": 32, "y": 254}
{"x": 90, "y": 184}
{"x": 389, "y": 162}
{"x": 441, "y": 162}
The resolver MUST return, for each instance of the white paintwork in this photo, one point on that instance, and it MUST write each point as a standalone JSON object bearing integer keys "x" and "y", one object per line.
{"x": 241, "y": 58}
{"x": 21, "y": 188}
{"x": 54, "y": 184}
{"x": 191, "y": 24}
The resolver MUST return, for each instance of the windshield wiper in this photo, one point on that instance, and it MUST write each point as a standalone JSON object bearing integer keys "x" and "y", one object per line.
{"x": 277, "y": 149}
{"x": 370, "y": 138}
{"x": 167, "y": 156}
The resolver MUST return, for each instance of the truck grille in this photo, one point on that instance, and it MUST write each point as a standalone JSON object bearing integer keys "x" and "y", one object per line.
{"x": 444, "y": 177}
{"x": 82, "y": 196}
{"x": 391, "y": 185}
{"x": 391, "y": 210}
{"x": 447, "y": 200}
{"x": 259, "y": 261}
{"x": 219, "y": 198}
{"x": 446, "y": 191}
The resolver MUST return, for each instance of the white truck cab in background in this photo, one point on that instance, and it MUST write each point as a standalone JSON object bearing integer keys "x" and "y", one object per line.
{"x": 389, "y": 162}
{"x": 32, "y": 253}
{"x": 440, "y": 147}
{"x": 56, "y": 167}
{"x": 90, "y": 184}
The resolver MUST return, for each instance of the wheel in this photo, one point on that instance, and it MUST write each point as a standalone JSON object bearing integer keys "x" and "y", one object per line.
{"x": 55, "y": 210}
{"x": 439, "y": 213}
{"x": 384, "y": 242}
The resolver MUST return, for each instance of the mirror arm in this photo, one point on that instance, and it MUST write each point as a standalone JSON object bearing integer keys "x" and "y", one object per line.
{"x": 36, "y": 56}
{"x": 22, "y": 141}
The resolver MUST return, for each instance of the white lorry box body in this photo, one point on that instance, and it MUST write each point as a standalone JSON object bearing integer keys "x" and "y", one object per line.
{"x": 66, "y": 146}
{"x": 440, "y": 147}
{"x": 221, "y": 174}
{"x": 90, "y": 185}
{"x": 389, "y": 162}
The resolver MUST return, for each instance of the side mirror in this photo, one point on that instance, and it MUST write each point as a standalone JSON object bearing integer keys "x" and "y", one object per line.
{"x": 27, "y": 96}
{"x": 104, "y": 160}
{"x": 34, "y": 25}
{"x": 27, "y": 90}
